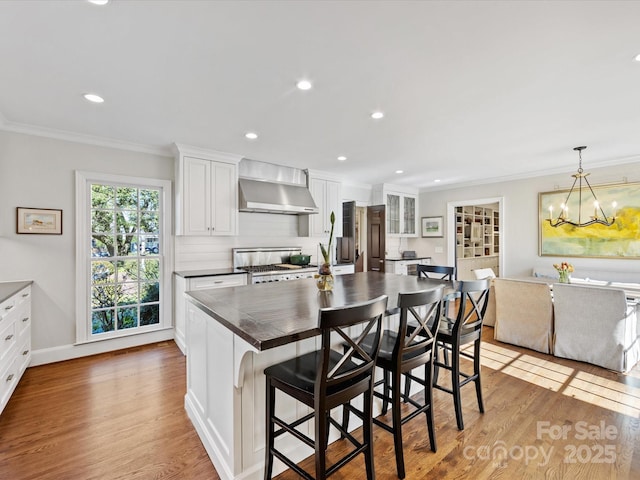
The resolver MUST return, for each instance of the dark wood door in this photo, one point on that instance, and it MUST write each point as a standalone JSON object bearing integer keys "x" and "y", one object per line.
{"x": 347, "y": 250}
{"x": 375, "y": 238}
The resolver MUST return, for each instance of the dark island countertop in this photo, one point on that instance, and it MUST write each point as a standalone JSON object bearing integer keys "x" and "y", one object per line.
{"x": 268, "y": 315}
{"x": 211, "y": 272}
{"x": 7, "y": 289}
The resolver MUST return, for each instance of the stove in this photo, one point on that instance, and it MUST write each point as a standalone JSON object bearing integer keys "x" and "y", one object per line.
{"x": 271, "y": 264}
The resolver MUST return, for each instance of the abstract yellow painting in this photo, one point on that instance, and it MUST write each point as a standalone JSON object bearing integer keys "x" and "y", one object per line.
{"x": 620, "y": 240}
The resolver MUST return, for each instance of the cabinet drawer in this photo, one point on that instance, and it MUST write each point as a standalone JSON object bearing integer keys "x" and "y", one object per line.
{"x": 219, "y": 281}
{"x": 23, "y": 320}
{"x": 8, "y": 340}
{"x": 23, "y": 355}
{"x": 8, "y": 379}
{"x": 6, "y": 308}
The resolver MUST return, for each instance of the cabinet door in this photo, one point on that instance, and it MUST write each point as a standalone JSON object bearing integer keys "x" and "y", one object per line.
{"x": 333, "y": 203}
{"x": 409, "y": 215}
{"x": 393, "y": 214}
{"x": 223, "y": 197}
{"x": 197, "y": 197}
{"x": 318, "y": 223}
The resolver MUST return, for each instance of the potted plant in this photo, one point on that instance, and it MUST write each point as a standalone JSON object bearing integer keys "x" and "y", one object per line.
{"x": 324, "y": 279}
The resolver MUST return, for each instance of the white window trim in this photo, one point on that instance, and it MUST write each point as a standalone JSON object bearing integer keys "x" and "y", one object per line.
{"x": 83, "y": 262}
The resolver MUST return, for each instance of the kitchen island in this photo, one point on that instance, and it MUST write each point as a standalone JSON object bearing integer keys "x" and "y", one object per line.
{"x": 233, "y": 334}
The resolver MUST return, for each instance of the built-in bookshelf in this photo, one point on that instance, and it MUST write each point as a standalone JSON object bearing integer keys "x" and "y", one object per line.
{"x": 477, "y": 231}
{"x": 477, "y": 239}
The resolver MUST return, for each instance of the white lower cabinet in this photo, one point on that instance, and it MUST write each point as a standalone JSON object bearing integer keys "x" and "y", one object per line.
{"x": 343, "y": 269}
{"x": 405, "y": 267}
{"x": 185, "y": 284}
{"x": 15, "y": 342}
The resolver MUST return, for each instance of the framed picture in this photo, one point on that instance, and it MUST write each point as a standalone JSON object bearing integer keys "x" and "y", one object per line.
{"x": 432, "y": 227}
{"x": 620, "y": 240}
{"x": 45, "y": 221}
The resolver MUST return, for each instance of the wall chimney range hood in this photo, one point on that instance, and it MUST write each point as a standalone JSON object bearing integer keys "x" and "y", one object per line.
{"x": 269, "y": 188}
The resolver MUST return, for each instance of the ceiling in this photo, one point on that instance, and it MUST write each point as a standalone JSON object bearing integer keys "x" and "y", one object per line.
{"x": 471, "y": 91}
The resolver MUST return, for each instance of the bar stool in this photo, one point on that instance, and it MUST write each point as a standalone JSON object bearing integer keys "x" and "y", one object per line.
{"x": 440, "y": 272}
{"x": 402, "y": 351}
{"x": 325, "y": 379}
{"x": 472, "y": 299}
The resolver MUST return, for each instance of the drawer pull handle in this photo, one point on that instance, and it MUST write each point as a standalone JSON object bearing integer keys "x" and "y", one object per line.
{"x": 25, "y": 295}
{"x": 25, "y": 319}
{"x": 9, "y": 337}
{"x": 10, "y": 377}
{"x": 26, "y": 352}
{"x": 219, "y": 281}
{"x": 9, "y": 307}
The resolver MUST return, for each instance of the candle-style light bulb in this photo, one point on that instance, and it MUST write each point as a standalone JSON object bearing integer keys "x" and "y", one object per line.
{"x": 595, "y": 208}
{"x": 550, "y": 212}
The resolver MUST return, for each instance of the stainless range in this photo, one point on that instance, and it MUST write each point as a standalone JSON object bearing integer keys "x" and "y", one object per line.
{"x": 271, "y": 264}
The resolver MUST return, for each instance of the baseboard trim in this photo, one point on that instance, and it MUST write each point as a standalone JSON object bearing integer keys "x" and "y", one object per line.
{"x": 71, "y": 351}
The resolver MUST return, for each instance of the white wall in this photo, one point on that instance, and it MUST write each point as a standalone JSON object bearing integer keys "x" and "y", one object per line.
{"x": 520, "y": 222}
{"x": 39, "y": 172}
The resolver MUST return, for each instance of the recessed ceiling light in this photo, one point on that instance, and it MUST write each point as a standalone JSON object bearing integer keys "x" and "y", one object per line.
{"x": 251, "y": 135}
{"x": 342, "y": 158}
{"x": 399, "y": 171}
{"x": 92, "y": 97}
{"x": 377, "y": 115}
{"x": 98, "y": 2}
{"x": 637, "y": 58}
{"x": 437, "y": 180}
{"x": 304, "y": 85}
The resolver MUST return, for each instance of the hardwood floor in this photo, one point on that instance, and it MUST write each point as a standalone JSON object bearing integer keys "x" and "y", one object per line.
{"x": 121, "y": 416}
{"x": 113, "y": 416}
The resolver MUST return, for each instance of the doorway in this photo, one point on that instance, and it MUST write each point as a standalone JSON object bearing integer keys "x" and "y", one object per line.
{"x": 376, "y": 227}
{"x": 475, "y": 235}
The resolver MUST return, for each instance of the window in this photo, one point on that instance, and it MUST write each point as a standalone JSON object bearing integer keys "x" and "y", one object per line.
{"x": 123, "y": 272}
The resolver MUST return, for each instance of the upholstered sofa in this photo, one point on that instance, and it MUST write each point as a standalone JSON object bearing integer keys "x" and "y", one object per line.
{"x": 589, "y": 323}
{"x": 524, "y": 314}
{"x": 596, "y": 325}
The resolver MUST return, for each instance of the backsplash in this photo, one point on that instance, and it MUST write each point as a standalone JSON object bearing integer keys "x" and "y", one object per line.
{"x": 255, "y": 230}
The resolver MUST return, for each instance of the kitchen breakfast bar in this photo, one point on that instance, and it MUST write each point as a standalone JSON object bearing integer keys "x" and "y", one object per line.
{"x": 233, "y": 334}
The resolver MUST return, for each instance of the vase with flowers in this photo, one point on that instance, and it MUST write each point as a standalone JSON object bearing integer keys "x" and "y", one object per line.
{"x": 564, "y": 270}
{"x": 324, "y": 278}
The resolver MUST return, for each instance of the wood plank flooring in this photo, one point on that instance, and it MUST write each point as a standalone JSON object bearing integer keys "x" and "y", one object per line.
{"x": 121, "y": 416}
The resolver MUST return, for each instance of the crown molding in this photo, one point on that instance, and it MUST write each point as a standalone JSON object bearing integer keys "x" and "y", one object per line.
{"x": 81, "y": 138}
{"x": 534, "y": 174}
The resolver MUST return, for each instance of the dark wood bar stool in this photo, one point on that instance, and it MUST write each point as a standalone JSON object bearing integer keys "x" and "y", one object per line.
{"x": 471, "y": 300}
{"x": 325, "y": 379}
{"x": 441, "y": 272}
{"x": 402, "y": 351}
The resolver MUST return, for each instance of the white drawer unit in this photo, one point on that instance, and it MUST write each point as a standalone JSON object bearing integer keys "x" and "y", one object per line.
{"x": 405, "y": 266}
{"x": 15, "y": 341}
{"x": 186, "y": 284}
{"x": 343, "y": 269}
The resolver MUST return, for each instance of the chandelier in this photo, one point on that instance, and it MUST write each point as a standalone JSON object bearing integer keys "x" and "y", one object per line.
{"x": 598, "y": 213}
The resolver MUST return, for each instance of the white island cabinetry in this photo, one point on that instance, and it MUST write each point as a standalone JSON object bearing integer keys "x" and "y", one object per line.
{"x": 206, "y": 192}
{"x": 188, "y": 281}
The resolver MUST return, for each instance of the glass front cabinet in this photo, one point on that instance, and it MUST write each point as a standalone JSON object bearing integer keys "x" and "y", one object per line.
{"x": 401, "y": 209}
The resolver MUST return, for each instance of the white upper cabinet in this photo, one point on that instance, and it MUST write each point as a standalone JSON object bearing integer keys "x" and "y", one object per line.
{"x": 206, "y": 192}
{"x": 328, "y": 197}
{"x": 401, "y": 209}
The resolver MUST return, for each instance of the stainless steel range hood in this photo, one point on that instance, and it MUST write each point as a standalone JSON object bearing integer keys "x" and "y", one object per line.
{"x": 269, "y": 188}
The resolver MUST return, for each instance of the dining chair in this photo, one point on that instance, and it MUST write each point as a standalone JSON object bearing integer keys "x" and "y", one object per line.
{"x": 439, "y": 272}
{"x": 402, "y": 351}
{"x": 325, "y": 379}
{"x": 455, "y": 332}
